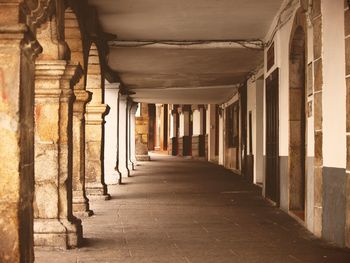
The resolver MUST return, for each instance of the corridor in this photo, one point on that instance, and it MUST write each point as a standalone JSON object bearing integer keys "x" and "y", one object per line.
{"x": 181, "y": 210}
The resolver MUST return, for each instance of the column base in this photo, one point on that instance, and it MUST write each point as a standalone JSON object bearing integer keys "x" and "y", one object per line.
{"x": 57, "y": 233}
{"x": 143, "y": 158}
{"x": 124, "y": 172}
{"x": 81, "y": 207}
{"x": 112, "y": 178}
{"x": 185, "y": 146}
{"x": 198, "y": 146}
{"x": 97, "y": 192}
{"x": 131, "y": 166}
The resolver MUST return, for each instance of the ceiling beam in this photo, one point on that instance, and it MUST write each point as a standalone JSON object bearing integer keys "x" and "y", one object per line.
{"x": 205, "y": 44}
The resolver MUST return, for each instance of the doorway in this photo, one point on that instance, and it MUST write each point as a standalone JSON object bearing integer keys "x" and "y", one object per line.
{"x": 297, "y": 124}
{"x": 272, "y": 138}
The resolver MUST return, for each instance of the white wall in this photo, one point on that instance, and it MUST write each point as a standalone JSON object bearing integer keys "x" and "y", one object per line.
{"x": 334, "y": 89}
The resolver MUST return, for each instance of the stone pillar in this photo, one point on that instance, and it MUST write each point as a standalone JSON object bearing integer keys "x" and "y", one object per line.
{"x": 17, "y": 56}
{"x": 122, "y": 152}
{"x": 198, "y": 137}
{"x": 54, "y": 224}
{"x": 206, "y": 131}
{"x": 173, "y": 131}
{"x": 128, "y": 132}
{"x": 95, "y": 185}
{"x": 80, "y": 201}
{"x": 184, "y": 136}
{"x": 318, "y": 119}
{"x": 141, "y": 129}
{"x": 111, "y": 134}
{"x": 211, "y": 131}
{"x": 221, "y": 127}
{"x": 132, "y": 139}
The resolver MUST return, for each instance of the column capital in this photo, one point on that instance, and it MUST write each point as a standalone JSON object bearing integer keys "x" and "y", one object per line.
{"x": 50, "y": 69}
{"x": 123, "y": 98}
{"x": 73, "y": 73}
{"x": 82, "y": 96}
{"x": 46, "y": 71}
{"x": 15, "y": 12}
{"x": 95, "y": 114}
{"x": 70, "y": 78}
{"x": 195, "y": 107}
{"x": 133, "y": 107}
{"x": 112, "y": 86}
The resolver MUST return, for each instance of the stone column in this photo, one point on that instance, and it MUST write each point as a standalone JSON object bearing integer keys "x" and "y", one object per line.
{"x": 318, "y": 119}
{"x": 142, "y": 123}
{"x": 111, "y": 134}
{"x": 198, "y": 137}
{"x": 128, "y": 132}
{"x": 158, "y": 123}
{"x": 17, "y": 56}
{"x": 184, "y": 136}
{"x": 80, "y": 201}
{"x": 122, "y": 152}
{"x": 132, "y": 139}
{"x": 54, "y": 225}
{"x": 173, "y": 140}
{"x": 212, "y": 126}
{"x": 95, "y": 185}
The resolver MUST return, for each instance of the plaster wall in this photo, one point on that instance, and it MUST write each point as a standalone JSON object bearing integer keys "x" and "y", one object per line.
{"x": 334, "y": 99}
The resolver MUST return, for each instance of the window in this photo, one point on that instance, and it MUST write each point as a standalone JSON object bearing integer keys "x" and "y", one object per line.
{"x": 232, "y": 125}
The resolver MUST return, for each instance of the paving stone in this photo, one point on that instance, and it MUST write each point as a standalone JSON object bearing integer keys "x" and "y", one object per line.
{"x": 176, "y": 210}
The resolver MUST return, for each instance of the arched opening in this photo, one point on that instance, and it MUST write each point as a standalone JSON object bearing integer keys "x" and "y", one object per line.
{"x": 297, "y": 123}
{"x": 74, "y": 40}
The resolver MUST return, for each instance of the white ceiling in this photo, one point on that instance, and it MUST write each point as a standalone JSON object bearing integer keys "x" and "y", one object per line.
{"x": 185, "y": 74}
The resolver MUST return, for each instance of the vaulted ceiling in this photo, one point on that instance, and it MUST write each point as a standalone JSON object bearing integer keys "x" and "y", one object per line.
{"x": 185, "y": 51}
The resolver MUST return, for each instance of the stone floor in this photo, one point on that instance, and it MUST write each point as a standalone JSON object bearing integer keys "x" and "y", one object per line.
{"x": 180, "y": 210}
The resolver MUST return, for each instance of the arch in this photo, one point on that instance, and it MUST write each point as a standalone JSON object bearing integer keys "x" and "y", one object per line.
{"x": 297, "y": 117}
{"x": 94, "y": 126}
{"x": 94, "y": 75}
{"x": 73, "y": 37}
